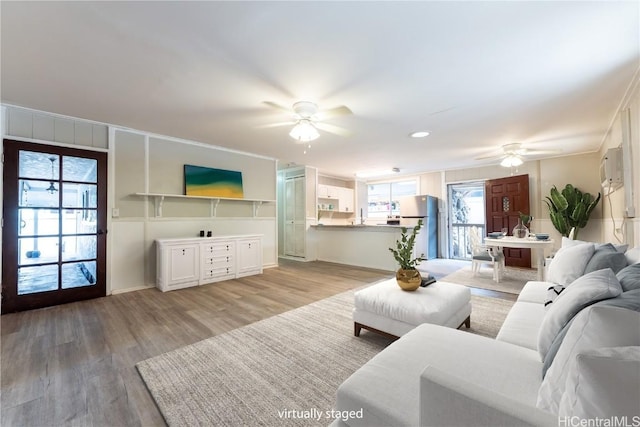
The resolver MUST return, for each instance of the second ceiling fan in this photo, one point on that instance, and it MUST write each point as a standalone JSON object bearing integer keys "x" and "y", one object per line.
{"x": 514, "y": 154}
{"x": 308, "y": 119}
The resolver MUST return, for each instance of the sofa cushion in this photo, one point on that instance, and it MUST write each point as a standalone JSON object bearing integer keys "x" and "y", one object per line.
{"x": 629, "y": 300}
{"x": 594, "y": 327}
{"x": 586, "y": 290}
{"x": 534, "y": 291}
{"x": 606, "y": 256}
{"x": 569, "y": 263}
{"x": 603, "y": 383}
{"x": 629, "y": 277}
{"x": 522, "y": 324}
{"x": 387, "y": 388}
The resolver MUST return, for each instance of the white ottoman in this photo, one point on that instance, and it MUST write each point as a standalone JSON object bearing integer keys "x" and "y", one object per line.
{"x": 388, "y": 310}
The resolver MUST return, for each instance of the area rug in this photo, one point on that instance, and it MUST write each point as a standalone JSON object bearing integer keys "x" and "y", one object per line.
{"x": 281, "y": 371}
{"x": 512, "y": 280}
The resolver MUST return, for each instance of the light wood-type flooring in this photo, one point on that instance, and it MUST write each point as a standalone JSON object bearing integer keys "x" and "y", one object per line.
{"x": 74, "y": 364}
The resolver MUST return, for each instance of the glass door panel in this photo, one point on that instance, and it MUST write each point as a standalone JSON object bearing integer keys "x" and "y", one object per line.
{"x": 38, "y": 250}
{"x": 79, "y": 221}
{"x": 79, "y": 195}
{"x": 39, "y": 165}
{"x": 38, "y": 222}
{"x": 77, "y": 274}
{"x": 42, "y": 278}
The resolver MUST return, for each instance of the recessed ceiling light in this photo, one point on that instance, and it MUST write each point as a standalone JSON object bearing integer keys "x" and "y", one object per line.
{"x": 419, "y": 134}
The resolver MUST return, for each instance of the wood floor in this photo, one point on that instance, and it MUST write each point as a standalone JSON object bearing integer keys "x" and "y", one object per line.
{"x": 74, "y": 364}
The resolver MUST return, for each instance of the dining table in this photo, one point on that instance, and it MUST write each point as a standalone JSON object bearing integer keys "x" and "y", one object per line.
{"x": 537, "y": 248}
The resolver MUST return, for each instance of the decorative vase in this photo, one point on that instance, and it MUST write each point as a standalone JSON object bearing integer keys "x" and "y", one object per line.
{"x": 520, "y": 230}
{"x": 408, "y": 280}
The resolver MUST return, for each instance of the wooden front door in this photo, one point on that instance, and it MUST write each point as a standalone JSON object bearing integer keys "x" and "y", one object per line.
{"x": 505, "y": 198}
{"x": 54, "y": 234}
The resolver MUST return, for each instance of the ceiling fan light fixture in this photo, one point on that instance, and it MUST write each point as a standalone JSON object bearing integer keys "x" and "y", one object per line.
{"x": 512, "y": 160}
{"x": 304, "y": 131}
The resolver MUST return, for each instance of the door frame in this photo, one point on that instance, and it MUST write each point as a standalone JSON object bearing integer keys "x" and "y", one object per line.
{"x": 9, "y": 236}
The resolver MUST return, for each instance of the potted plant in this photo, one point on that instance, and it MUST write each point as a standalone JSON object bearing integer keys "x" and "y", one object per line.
{"x": 570, "y": 209}
{"x": 407, "y": 276}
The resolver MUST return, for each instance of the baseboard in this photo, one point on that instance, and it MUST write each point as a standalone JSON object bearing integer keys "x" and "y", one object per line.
{"x": 136, "y": 288}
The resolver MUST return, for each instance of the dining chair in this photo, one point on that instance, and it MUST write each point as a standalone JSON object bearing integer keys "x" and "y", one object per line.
{"x": 481, "y": 254}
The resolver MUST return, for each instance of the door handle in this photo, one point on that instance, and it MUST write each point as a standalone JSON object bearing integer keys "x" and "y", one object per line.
{"x": 102, "y": 232}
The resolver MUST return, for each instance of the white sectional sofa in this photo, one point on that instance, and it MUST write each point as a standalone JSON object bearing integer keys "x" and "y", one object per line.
{"x": 439, "y": 376}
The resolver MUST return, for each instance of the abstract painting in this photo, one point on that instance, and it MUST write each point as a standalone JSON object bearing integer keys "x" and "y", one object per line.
{"x": 203, "y": 181}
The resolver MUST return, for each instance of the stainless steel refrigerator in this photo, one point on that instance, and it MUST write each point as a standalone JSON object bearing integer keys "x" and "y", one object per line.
{"x": 414, "y": 208}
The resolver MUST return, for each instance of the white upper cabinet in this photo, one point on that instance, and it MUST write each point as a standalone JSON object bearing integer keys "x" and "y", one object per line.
{"x": 345, "y": 199}
{"x": 342, "y": 198}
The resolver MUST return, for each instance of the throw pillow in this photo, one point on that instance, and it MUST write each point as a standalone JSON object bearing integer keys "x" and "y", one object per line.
{"x": 566, "y": 242}
{"x": 622, "y": 248}
{"x": 569, "y": 262}
{"x": 552, "y": 294}
{"x": 629, "y": 300}
{"x": 602, "y": 383}
{"x": 633, "y": 256}
{"x": 594, "y": 327}
{"x": 606, "y": 256}
{"x": 586, "y": 290}
{"x": 629, "y": 277}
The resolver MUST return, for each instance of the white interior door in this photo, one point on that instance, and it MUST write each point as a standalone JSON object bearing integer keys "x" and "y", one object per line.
{"x": 294, "y": 217}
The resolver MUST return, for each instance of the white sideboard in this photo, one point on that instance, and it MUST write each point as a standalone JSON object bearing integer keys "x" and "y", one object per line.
{"x": 182, "y": 263}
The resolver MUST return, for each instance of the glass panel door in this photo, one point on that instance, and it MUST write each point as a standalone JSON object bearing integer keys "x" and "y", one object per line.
{"x": 466, "y": 210}
{"x": 55, "y": 245}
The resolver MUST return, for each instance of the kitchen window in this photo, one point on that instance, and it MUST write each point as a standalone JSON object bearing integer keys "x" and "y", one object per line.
{"x": 384, "y": 197}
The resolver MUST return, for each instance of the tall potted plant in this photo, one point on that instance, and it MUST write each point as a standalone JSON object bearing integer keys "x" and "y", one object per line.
{"x": 407, "y": 276}
{"x": 570, "y": 209}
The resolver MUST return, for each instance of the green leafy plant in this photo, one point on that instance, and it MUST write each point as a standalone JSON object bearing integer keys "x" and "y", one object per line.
{"x": 570, "y": 209}
{"x": 526, "y": 219}
{"x": 403, "y": 252}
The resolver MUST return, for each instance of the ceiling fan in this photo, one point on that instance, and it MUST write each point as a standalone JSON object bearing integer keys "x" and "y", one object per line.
{"x": 513, "y": 154}
{"x": 308, "y": 119}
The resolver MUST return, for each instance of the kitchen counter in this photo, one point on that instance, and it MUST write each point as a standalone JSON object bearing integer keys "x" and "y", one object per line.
{"x": 360, "y": 245}
{"x": 368, "y": 227}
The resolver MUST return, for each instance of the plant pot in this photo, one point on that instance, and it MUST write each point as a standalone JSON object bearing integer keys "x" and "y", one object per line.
{"x": 408, "y": 280}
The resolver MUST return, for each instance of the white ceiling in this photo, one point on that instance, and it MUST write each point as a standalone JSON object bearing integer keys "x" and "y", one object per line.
{"x": 477, "y": 75}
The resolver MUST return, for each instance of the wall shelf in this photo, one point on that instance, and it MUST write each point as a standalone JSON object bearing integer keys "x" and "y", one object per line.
{"x": 158, "y": 200}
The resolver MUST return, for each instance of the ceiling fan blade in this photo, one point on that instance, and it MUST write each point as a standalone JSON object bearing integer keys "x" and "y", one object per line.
{"x": 334, "y": 112}
{"x": 333, "y": 129}
{"x": 278, "y": 107}
{"x": 493, "y": 157}
{"x": 538, "y": 152}
{"x": 273, "y": 125}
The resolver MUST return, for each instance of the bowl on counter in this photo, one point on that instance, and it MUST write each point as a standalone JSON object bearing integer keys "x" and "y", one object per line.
{"x": 495, "y": 235}
{"x": 542, "y": 236}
